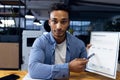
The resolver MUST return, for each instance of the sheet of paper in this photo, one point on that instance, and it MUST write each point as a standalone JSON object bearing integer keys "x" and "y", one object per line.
{"x": 105, "y": 45}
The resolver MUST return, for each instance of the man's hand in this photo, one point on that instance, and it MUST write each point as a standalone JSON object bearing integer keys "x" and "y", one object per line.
{"x": 77, "y": 65}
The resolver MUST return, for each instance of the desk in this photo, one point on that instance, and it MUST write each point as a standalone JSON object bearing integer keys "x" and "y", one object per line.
{"x": 17, "y": 72}
{"x": 73, "y": 76}
{"x": 90, "y": 76}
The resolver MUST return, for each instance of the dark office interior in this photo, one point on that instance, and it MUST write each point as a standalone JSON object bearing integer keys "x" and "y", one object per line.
{"x": 85, "y": 15}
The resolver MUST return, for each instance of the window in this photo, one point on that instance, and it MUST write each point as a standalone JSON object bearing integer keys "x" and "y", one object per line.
{"x": 79, "y": 27}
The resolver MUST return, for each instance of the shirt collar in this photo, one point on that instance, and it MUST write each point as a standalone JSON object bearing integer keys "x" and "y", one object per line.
{"x": 54, "y": 42}
{"x": 52, "y": 38}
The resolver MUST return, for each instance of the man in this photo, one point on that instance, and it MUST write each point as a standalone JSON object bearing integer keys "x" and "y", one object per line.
{"x": 54, "y": 55}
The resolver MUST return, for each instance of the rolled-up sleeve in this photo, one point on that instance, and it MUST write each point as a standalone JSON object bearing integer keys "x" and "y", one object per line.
{"x": 38, "y": 70}
{"x": 60, "y": 71}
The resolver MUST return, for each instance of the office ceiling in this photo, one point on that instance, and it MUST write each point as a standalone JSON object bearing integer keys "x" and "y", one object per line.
{"x": 80, "y": 9}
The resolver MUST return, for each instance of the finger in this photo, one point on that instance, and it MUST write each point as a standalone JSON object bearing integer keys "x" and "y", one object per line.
{"x": 81, "y": 59}
{"x": 82, "y": 62}
{"x": 82, "y": 69}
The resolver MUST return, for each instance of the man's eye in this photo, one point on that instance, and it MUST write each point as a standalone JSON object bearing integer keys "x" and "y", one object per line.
{"x": 54, "y": 21}
{"x": 63, "y": 22}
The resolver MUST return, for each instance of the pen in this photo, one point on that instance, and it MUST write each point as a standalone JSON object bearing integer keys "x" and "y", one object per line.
{"x": 90, "y": 55}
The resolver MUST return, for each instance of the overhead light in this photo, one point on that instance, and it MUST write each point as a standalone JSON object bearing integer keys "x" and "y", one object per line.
{"x": 37, "y": 22}
{"x": 9, "y": 6}
{"x": 29, "y": 15}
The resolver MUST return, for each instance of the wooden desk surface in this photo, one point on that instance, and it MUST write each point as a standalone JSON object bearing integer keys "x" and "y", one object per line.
{"x": 17, "y": 72}
{"x": 90, "y": 76}
{"x": 73, "y": 76}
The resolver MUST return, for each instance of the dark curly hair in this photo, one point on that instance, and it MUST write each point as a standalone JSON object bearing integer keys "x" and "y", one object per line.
{"x": 59, "y": 6}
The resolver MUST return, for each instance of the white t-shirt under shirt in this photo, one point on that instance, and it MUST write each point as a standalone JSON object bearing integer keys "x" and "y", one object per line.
{"x": 60, "y": 53}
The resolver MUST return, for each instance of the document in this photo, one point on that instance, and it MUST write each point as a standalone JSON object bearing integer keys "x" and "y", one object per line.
{"x": 105, "y": 47}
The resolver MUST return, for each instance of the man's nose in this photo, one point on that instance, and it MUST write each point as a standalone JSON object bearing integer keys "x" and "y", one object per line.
{"x": 58, "y": 25}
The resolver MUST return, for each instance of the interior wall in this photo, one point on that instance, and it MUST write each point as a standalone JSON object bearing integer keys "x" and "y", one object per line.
{"x": 9, "y": 55}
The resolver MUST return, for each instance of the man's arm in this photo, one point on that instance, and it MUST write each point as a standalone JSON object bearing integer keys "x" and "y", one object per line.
{"x": 39, "y": 70}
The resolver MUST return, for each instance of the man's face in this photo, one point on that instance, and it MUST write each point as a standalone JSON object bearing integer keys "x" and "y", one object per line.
{"x": 59, "y": 22}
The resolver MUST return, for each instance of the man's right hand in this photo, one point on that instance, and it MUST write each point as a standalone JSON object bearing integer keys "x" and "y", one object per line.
{"x": 77, "y": 65}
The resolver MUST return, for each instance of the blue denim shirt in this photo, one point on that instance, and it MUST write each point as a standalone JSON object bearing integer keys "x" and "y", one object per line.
{"x": 42, "y": 57}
